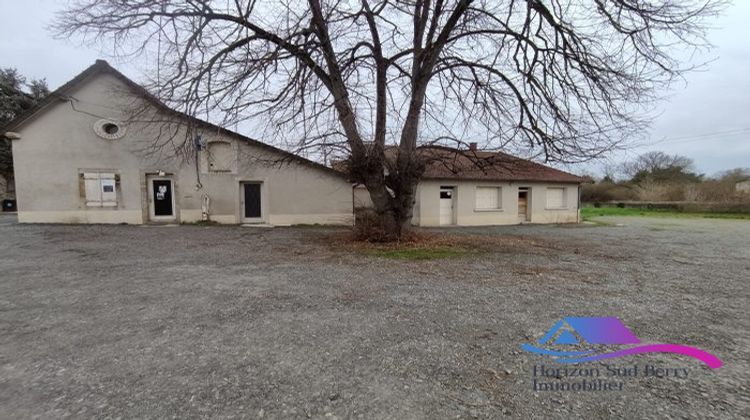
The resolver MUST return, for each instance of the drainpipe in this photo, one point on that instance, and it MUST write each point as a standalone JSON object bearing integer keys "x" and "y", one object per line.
{"x": 206, "y": 202}
{"x": 198, "y": 143}
{"x": 578, "y": 209}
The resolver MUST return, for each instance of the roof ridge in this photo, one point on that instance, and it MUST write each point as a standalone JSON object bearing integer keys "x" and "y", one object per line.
{"x": 101, "y": 65}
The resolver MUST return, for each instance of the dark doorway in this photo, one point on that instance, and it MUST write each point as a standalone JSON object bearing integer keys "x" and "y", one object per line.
{"x": 162, "y": 190}
{"x": 252, "y": 201}
{"x": 523, "y": 205}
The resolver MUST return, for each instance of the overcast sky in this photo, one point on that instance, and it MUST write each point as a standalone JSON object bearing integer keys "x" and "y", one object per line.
{"x": 706, "y": 119}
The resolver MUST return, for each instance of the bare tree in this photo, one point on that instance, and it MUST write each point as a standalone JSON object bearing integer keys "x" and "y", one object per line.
{"x": 733, "y": 176}
{"x": 661, "y": 167}
{"x": 566, "y": 80}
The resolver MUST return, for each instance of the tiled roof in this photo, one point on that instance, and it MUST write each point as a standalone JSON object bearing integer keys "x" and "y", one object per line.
{"x": 445, "y": 163}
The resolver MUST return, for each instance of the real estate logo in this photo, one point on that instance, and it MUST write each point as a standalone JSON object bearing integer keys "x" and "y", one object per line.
{"x": 580, "y": 340}
{"x": 601, "y": 334}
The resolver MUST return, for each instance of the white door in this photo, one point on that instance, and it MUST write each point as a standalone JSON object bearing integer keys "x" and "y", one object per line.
{"x": 446, "y": 206}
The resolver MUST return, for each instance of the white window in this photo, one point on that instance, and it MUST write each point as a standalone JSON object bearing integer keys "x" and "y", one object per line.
{"x": 101, "y": 189}
{"x": 556, "y": 198}
{"x": 488, "y": 198}
{"x": 221, "y": 157}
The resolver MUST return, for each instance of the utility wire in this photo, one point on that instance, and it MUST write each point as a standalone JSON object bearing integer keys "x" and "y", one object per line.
{"x": 715, "y": 134}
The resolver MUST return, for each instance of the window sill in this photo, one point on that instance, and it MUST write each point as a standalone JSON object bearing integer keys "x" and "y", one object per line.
{"x": 556, "y": 208}
{"x": 488, "y": 210}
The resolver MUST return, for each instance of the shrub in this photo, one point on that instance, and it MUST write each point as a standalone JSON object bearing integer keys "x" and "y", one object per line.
{"x": 602, "y": 192}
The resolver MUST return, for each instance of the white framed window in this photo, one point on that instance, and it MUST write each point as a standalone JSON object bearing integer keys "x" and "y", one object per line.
{"x": 556, "y": 198}
{"x": 488, "y": 198}
{"x": 100, "y": 189}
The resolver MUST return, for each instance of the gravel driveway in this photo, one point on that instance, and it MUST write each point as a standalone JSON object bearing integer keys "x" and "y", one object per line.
{"x": 237, "y": 322}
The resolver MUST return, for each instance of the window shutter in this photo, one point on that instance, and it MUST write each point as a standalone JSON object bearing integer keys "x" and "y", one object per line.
{"x": 555, "y": 198}
{"x": 93, "y": 190}
{"x": 487, "y": 198}
{"x": 109, "y": 190}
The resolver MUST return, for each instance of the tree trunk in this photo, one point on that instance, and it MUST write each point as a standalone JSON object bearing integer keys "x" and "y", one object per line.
{"x": 395, "y": 216}
{"x": 394, "y": 207}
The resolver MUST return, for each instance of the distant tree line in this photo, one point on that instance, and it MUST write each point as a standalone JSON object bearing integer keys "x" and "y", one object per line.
{"x": 17, "y": 95}
{"x": 658, "y": 176}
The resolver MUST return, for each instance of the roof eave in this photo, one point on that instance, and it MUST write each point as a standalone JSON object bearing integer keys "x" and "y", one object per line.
{"x": 551, "y": 181}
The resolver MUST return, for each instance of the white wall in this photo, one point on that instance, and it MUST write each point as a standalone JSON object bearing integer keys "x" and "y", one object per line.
{"x": 361, "y": 197}
{"x": 465, "y": 214}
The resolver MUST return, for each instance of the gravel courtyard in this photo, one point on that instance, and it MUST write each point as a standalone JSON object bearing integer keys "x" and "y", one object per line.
{"x": 240, "y": 322}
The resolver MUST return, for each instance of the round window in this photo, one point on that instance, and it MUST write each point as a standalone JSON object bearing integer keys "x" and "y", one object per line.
{"x": 108, "y": 129}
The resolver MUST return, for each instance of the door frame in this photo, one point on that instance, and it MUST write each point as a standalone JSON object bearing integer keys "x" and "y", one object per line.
{"x": 527, "y": 216}
{"x": 150, "y": 196}
{"x": 263, "y": 201}
{"x": 453, "y": 190}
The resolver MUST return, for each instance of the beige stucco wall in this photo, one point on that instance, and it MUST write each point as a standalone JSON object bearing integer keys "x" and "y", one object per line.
{"x": 362, "y": 197}
{"x": 427, "y": 212}
{"x": 59, "y": 144}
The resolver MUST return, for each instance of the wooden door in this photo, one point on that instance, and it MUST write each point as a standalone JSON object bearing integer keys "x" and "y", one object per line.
{"x": 523, "y": 206}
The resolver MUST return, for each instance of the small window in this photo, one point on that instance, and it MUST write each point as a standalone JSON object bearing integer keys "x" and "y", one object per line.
{"x": 220, "y": 157}
{"x": 109, "y": 129}
{"x": 100, "y": 189}
{"x": 488, "y": 198}
{"x": 556, "y": 198}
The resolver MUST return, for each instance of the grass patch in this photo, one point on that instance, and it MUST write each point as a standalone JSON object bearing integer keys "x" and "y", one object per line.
{"x": 426, "y": 253}
{"x": 418, "y": 247}
{"x": 421, "y": 246}
{"x": 589, "y": 212}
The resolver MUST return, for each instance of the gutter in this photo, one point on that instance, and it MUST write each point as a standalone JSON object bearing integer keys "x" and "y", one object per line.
{"x": 578, "y": 213}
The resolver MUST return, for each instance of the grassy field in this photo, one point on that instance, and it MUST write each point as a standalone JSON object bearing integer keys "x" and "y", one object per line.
{"x": 589, "y": 212}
